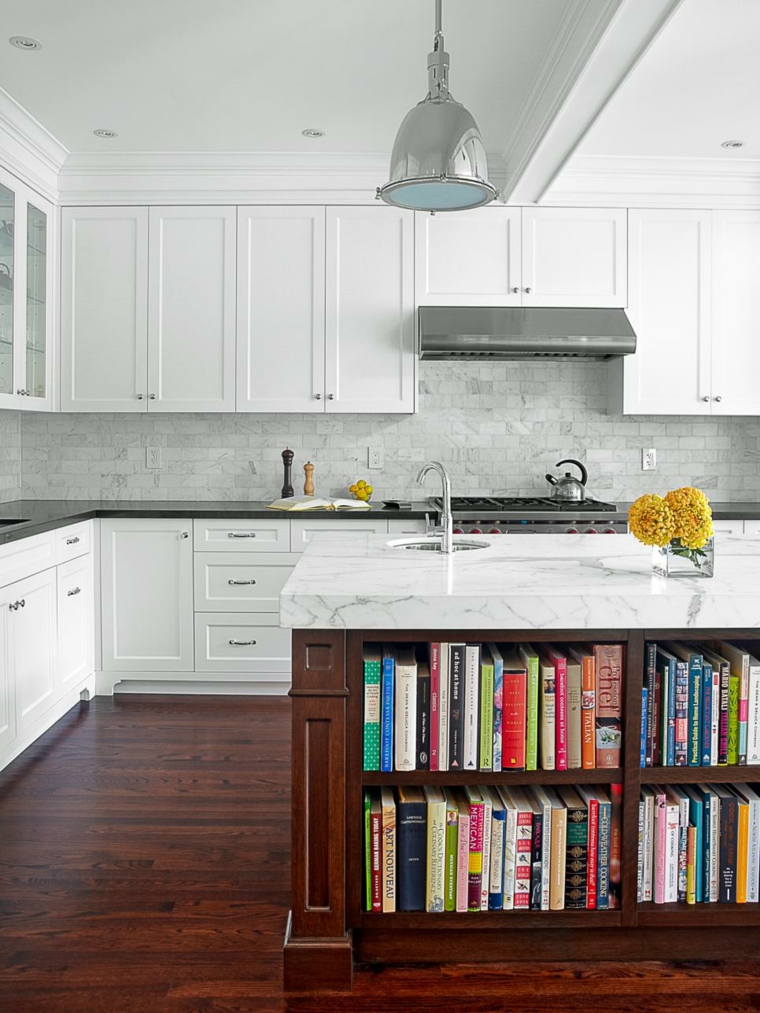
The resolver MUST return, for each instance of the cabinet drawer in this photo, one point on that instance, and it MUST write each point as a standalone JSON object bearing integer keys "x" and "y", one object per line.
{"x": 242, "y": 535}
{"x": 26, "y": 557}
{"x": 410, "y": 526}
{"x": 232, "y": 642}
{"x": 241, "y": 581}
{"x": 72, "y": 541}
{"x": 75, "y": 622}
{"x": 302, "y": 530}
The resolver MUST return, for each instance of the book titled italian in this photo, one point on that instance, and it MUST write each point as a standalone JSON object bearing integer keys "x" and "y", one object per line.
{"x": 608, "y": 660}
{"x": 584, "y": 656}
{"x": 372, "y": 673}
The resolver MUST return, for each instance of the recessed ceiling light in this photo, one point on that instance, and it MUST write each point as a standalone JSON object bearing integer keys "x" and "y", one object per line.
{"x": 313, "y": 132}
{"x": 25, "y": 43}
{"x": 732, "y": 144}
{"x": 102, "y": 132}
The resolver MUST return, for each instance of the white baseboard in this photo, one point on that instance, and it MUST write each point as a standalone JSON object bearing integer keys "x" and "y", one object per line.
{"x": 191, "y": 683}
{"x": 84, "y": 691}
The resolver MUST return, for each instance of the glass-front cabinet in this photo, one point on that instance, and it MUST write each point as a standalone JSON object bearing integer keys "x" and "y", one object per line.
{"x": 26, "y": 296}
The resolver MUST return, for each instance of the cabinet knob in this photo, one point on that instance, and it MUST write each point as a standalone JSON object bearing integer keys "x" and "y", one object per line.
{"x": 185, "y": 534}
{"x": 22, "y": 602}
{"x": 73, "y": 591}
{"x": 719, "y": 398}
{"x": 515, "y": 290}
{"x": 22, "y": 392}
{"x": 330, "y": 397}
{"x": 140, "y": 397}
{"x": 528, "y": 290}
{"x": 317, "y": 397}
{"x": 705, "y": 398}
{"x": 152, "y": 397}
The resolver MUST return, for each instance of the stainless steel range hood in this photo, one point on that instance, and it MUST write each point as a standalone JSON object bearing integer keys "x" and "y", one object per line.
{"x": 501, "y": 332}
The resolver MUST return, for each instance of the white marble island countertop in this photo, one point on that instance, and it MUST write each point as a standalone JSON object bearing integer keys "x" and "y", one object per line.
{"x": 542, "y": 582}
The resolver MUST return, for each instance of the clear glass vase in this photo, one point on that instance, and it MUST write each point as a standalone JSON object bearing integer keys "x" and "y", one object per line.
{"x": 675, "y": 560}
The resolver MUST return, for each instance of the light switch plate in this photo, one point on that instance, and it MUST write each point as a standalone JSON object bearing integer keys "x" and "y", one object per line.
{"x": 152, "y": 457}
{"x": 649, "y": 459}
{"x": 375, "y": 457}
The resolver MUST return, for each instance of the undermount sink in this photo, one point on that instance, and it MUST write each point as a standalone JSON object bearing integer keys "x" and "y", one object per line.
{"x": 434, "y": 545}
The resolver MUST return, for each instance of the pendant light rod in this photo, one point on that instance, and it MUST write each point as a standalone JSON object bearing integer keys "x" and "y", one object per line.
{"x": 438, "y": 61}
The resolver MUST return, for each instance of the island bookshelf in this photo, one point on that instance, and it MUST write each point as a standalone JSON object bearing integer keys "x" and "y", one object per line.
{"x": 327, "y": 929}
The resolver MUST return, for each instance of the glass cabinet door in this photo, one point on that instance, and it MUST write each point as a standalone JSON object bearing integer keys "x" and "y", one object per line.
{"x": 36, "y": 301}
{"x": 7, "y": 271}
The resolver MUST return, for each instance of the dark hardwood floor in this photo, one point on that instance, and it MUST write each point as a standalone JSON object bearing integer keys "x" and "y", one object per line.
{"x": 144, "y": 846}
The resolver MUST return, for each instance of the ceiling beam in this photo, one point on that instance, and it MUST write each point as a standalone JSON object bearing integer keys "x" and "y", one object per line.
{"x": 594, "y": 52}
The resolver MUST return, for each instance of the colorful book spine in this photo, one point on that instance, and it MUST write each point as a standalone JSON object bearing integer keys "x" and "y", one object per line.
{"x": 682, "y": 714}
{"x": 725, "y": 683}
{"x": 715, "y": 716}
{"x": 372, "y": 675}
{"x": 456, "y": 707}
{"x": 616, "y": 844}
{"x": 742, "y": 853}
{"x": 367, "y": 853}
{"x": 744, "y": 711}
{"x": 485, "y": 882}
{"x": 728, "y": 847}
{"x": 531, "y": 746}
{"x": 593, "y": 854}
{"x": 644, "y": 711}
{"x": 609, "y": 704}
{"x": 452, "y": 852}
{"x": 444, "y": 691}
{"x": 405, "y": 712}
{"x": 475, "y": 859}
{"x": 646, "y": 882}
{"x": 547, "y": 739}
{"x": 514, "y": 681}
{"x": 486, "y": 711}
{"x": 376, "y": 831}
{"x": 523, "y": 859}
{"x": 536, "y": 865}
{"x": 574, "y": 734}
{"x": 669, "y": 715}
{"x": 706, "y": 717}
{"x": 411, "y": 850}
{"x": 753, "y": 715}
{"x": 388, "y": 807}
{"x": 650, "y": 672}
{"x": 576, "y": 860}
{"x": 732, "y": 752}
{"x": 471, "y": 705}
{"x": 386, "y": 730}
{"x": 695, "y": 710}
{"x": 588, "y": 712}
{"x": 560, "y": 675}
{"x": 657, "y": 756}
{"x": 463, "y": 853}
{"x": 435, "y": 696}
{"x": 498, "y": 829}
{"x": 498, "y": 710}
{"x": 683, "y": 841}
{"x": 691, "y": 872}
{"x": 603, "y": 855}
{"x": 436, "y": 850}
{"x": 510, "y": 846}
{"x": 423, "y": 716}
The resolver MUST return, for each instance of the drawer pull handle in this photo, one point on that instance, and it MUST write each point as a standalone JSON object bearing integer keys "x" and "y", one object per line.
{"x": 72, "y": 541}
{"x": 242, "y": 643}
{"x": 240, "y": 582}
{"x": 73, "y": 591}
{"x": 241, "y": 534}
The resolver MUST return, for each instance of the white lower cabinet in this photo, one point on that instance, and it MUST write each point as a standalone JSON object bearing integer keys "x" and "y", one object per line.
{"x": 31, "y": 609}
{"x": 147, "y": 595}
{"x": 7, "y": 682}
{"x": 302, "y": 531}
{"x": 75, "y": 622}
{"x": 241, "y": 582}
{"x": 234, "y": 642}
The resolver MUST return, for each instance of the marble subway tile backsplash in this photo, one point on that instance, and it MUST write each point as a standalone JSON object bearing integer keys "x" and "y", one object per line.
{"x": 498, "y": 427}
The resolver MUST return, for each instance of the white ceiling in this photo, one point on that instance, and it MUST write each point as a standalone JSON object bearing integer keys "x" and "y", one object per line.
{"x": 249, "y": 75}
{"x": 697, "y": 86}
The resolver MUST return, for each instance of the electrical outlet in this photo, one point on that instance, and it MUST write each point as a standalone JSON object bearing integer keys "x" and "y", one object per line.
{"x": 374, "y": 457}
{"x": 152, "y": 457}
{"x": 648, "y": 459}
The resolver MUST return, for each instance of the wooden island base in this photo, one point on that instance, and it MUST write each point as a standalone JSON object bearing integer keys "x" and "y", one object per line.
{"x": 328, "y": 930}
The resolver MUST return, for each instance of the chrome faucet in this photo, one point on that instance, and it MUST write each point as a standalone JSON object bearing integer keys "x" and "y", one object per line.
{"x": 447, "y": 521}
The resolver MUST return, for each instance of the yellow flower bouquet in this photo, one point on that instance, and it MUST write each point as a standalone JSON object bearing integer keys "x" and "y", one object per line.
{"x": 679, "y": 526}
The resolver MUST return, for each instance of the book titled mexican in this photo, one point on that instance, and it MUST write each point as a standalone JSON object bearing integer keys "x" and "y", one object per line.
{"x": 608, "y": 659}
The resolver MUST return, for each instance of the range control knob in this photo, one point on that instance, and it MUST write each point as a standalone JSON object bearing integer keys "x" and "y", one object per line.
{"x": 590, "y": 531}
{"x": 495, "y": 531}
{"x": 457, "y": 531}
{"x": 475, "y": 531}
{"x": 571, "y": 531}
{"x": 609, "y": 531}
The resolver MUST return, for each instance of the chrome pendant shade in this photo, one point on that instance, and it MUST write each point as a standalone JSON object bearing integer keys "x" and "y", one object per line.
{"x": 438, "y": 161}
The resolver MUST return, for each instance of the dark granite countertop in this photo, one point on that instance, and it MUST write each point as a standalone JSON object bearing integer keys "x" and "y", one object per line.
{"x": 41, "y": 515}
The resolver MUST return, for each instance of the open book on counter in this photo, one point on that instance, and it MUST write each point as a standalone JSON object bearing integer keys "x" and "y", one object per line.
{"x": 299, "y": 503}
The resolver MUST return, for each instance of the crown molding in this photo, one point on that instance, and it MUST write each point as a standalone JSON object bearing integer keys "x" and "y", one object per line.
{"x": 27, "y": 149}
{"x": 600, "y": 181}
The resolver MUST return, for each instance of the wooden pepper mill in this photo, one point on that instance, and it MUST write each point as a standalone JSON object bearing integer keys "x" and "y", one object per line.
{"x": 287, "y": 463}
{"x": 308, "y": 485}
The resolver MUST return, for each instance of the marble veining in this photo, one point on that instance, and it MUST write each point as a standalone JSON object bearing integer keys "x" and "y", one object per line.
{"x": 519, "y": 582}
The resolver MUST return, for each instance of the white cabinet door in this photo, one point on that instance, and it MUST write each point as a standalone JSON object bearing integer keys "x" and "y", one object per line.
{"x": 191, "y": 309}
{"x": 574, "y": 257}
{"x": 370, "y": 310}
{"x": 749, "y": 527}
{"x": 104, "y": 310}
{"x": 729, "y": 527}
{"x": 471, "y": 258}
{"x": 302, "y": 530}
{"x": 32, "y": 645}
{"x": 7, "y": 682}
{"x": 735, "y": 388}
{"x": 669, "y": 264}
{"x": 75, "y": 622}
{"x": 281, "y": 309}
{"x": 147, "y": 595}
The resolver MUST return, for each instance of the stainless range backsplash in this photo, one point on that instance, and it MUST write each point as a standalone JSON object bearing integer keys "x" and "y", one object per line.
{"x": 498, "y": 428}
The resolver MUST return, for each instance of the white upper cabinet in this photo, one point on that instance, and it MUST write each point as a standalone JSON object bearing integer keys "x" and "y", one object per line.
{"x": 735, "y": 389}
{"x": 669, "y": 263}
{"x": 104, "y": 310}
{"x": 370, "y": 356}
{"x": 191, "y": 309}
{"x": 471, "y": 258}
{"x": 281, "y": 309}
{"x": 27, "y": 225}
{"x": 574, "y": 257}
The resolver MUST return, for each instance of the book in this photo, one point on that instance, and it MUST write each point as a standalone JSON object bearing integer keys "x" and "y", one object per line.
{"x": 498, "y": 700}
{"x": 516, "y": 799}
{"x": 540, "y": 853}
{"x": 609, "y": 703}
{"x": 388, "y": 807}
{"x": 656, "y": 722}
{"x": 732, "y": 755}
{"x": 372, "y": 660}
{"x": 677, "y": 796}
{"x": 643, "y": 736}
{"x": 435, "y": 690}
{"x": 616, "y": 844}
{"x": 576, "y": 850}
{"x": 696, "y": 820}
{"x": 475, "y": 858}
{"x": 470, "y": 706}
{"x": 559, "y": 661}
{"x": 711, "y": 840}
{"x": 515, "y": 682}
{"x": 296, "y": 504}
{"x": 640, "y": 854}
{"x": 648, "y": 830}
{"x": 666, "y": 663}
{"x": 498, "y": 830}
{"x": 444, "y": 691}
{"x": 558, "y": 851}
{"x": 485, "y": 794}
{"x": 411, "y": 832}
{"x": 463, "y": 850}
{"x": 694, "y": 661}
{"x": 574, "y": 698}
{"x": 456, "y": 707}
{"x": 715, "y": 715}
{"x": 436, "y": 848}
{"x": 728, "y": 844}
{"x": 424, "y": 722}
{"x": 723, "y": 668}
{"x": 603, "y": 892}
{"x": 753, "y": 713}
{"x": 666, "y": 848}
{"x": 530, "y": 659}
{"x": 589, "y": 796}
{"x": 405, "y": 715}
{"x": 584, "y": 656}
{"x": 487, "y": 672}
{"x": 650, "y": 669}
{"x": 452, "y": 852}
{"x": 706, "y": 716}
{"x": 742, "y": 850}
{"x": 367, "y": 851}
{"x": 376, "y": 831}
{"x": 547, "y": 738}
{"x": 691, "y": 851}
{"x": 753, "y": 841}
{"x": 739, "y": 660}
{"x": 510, "y": 846}
{"x": 386, "y": 718}
{"x": 681, "y": 733}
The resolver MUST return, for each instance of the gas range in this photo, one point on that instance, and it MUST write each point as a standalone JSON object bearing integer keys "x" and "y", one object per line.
{"x": 531, "y": 515}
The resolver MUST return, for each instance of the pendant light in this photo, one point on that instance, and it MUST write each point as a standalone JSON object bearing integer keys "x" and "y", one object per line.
{"x": 438, "y": 161}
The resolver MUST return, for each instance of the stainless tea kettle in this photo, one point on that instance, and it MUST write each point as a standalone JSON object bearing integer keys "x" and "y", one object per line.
{"x": 569, "y": 489}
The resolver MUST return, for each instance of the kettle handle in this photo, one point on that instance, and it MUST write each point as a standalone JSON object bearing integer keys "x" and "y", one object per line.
{"x": 550, "y": 479}
{"x": 570, "y": 460}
